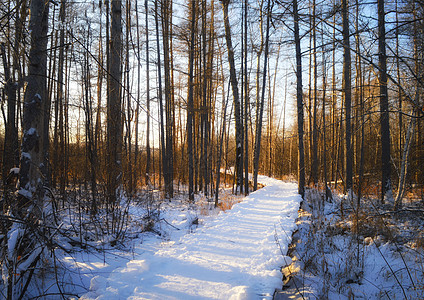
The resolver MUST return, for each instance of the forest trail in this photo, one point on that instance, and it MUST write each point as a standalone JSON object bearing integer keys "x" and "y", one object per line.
{"x": 234, "y": 256}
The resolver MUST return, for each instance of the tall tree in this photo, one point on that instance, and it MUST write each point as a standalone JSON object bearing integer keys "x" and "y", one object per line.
{"x": 261, "y": 104}
{"x": 148, "y": 155}
{"x": 314, "y": 164}
{"x": 246, "y": 105}
{"x": 160, "y": 94}
{"x": 299, "y": 100}
{"x": 24, "y": 251}
{"x": 31, "y": 181}
{"x": 234, "y": 86}
{"x": 166, "y": 10}
{"x": 190, "y": 108}
{"x": 347, "y": 93}
{"x": 12, "y": 82}
{"x": 386, "y": 183}
{"x": 114, "y": 113}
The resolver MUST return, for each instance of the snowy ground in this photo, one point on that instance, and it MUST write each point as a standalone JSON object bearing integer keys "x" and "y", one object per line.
{"x": 330, "y": 261}
{"x": 234, "y": 255}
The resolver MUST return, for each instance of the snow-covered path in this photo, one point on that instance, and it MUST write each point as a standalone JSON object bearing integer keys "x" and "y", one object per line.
{"x": 234, "y": 256}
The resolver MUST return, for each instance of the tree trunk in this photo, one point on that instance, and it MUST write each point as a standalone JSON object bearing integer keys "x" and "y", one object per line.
{"x": 10, "y": 151}
{"x": 246, "y": 105}
{"x": 169, "y": 121}
{"x": 190, "y": 108}
{"x": 31, "y": 181}
{"x": 114, "y": 113}
{"x": 148, "y": 159}
{"x": 299, "y": 97}
{"x": 160, "y": 96}
{"x": 347, "y": 92}
{"x": 234, "y": 86}
{"x": 405, "y": 162}
{"x": 314, "y": 165}
{"x": 261, "y": 104}
{"x": 386, "y": 183}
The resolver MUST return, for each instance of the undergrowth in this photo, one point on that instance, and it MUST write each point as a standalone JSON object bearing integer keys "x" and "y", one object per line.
{"x": 340, "y": 251}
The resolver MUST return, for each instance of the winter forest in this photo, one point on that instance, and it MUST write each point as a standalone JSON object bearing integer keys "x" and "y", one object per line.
{"x": 135, "y": 134}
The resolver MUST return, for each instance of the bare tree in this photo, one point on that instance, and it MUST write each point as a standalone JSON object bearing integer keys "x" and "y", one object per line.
{"x": 299, "y": 98}
{"x": 190, "y": 108}
{"x": 261, "y": 104}
{"x": 347, "y": 93}
{"x": 386, "y": 183}
{"x": 234, "y": 86}
{"x": 148, "y": 154}
{"x": 114, "y": 113}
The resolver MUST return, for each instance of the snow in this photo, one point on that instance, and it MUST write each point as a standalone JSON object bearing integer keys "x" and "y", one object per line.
{"x": 31, "y": 131}
{"x": 15, "y": 234}
{"x": 236, "y": 255}
{"x": 26, "y": 155}
{"x": 14, "y": 171}
{"x": 325, "y": 258}
{"x": 25, "y": 192}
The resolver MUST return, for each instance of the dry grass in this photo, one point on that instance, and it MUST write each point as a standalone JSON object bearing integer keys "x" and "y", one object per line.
{"x": 320, "y": 246}
{"x": 227, "y": 201}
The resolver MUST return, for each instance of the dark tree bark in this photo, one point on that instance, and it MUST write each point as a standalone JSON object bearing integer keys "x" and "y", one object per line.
{"x": 31, "y": 181}
{"x": 246, "y": 104}
{"x": 114, "y": 102}
{"x": 234, "y": 86}
{"x": 128, "y": 96}
{"x": 347, "y": 93}
{"x": 58, "y": 131}
{"x": 148, "y": 154}
{"x": 261, "y": 104}
{"x": 314, "y": 165}
{"x": 10, "y": 150}
{"x": 160, "y": 95}
{"x": 299, "y": 98}
{"x": 386, "y": 183}
{"x": 168, "y": 167}
{"x": 169, "y": 106}
{"x": 190, "y": 108}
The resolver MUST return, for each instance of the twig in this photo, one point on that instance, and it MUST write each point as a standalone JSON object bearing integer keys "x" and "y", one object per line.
{"x": 169, "y": 224}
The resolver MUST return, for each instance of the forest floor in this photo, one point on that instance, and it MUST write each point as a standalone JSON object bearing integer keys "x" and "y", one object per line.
{"x": 196, "y": 252}
{"x": 381, "y": 256}
{"x": 247, "y": 248}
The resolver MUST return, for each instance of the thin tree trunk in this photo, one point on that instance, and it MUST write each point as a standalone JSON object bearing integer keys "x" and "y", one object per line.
{"x": 324, "y": 127}
{"x": 299, "y": 97}
{"x": 405, "y": 162}
{"x": 386, "y": 184}
{"x": 169, "y": 122}
{"x": 221, "y": 142}
{"x": 347, "y": 92}
{"x": 148, "y": 154}
{"x": 234, "y": 85}
{"x": 314, "y": 167}
{"x": 190, "y": 108}
{"x": 11, "y": 133}
{"x": 261, "y": 106}
{"x": 128, "y": 91}
{"x": 246, "y": 104}
{"x": 160, "y": 96}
